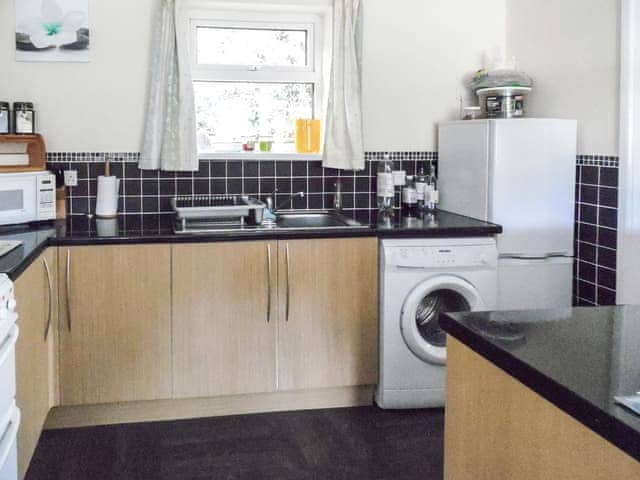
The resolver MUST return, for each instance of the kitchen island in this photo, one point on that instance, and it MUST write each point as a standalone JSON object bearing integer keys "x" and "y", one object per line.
{"x": 530, "y": 395}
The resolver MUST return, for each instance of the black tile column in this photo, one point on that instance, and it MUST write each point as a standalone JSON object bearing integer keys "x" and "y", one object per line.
{"x": 596, "y": 230}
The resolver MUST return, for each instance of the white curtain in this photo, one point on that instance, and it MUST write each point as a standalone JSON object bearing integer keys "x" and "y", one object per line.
{"x": 343, "y": 146}
{"x": 170, "y": 133}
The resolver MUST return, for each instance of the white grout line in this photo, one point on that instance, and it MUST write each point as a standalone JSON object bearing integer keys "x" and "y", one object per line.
{"x": 597, "y": 245}
{"x": 597, "y": 226}
{"x": 597, "y": 205}
{"x": 596, "y": 265}
{"x": 595, "y": 285}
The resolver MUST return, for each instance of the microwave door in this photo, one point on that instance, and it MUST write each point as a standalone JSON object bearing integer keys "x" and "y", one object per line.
{"x": 17, "y": 201}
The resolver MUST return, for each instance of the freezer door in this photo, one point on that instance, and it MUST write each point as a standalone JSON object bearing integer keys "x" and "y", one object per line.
{"x": 463, "y": 167}
{"x": 532, "y": 186}
{"x": 535, "y": 284}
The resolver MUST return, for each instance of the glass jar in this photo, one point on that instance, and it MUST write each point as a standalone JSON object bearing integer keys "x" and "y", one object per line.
{"x": 249, "y": 144}
{"x": 4, "y": 118}
{"x": 24, "y": 118}
{"x": 266, "y": 144}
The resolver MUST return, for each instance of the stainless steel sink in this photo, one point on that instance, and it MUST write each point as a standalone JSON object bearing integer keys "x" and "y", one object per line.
{"x": 314, "y": 219}
{"x": 285, "y": 220}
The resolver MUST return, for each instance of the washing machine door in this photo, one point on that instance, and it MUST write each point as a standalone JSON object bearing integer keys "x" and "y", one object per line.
{"x": 422, "y": 307}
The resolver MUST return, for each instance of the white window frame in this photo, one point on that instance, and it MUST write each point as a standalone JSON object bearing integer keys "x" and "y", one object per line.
{"x": 205, "y": 70}
{"x": 314, "y": 20}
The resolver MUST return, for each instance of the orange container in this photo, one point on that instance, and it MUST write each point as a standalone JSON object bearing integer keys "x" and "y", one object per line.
{"x": 308, "y": 134}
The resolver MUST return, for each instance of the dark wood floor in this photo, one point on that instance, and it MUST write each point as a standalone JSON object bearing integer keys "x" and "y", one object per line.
{"x": 353, "y": 443}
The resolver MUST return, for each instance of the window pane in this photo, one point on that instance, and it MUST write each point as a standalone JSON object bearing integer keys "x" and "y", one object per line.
{"x": 227, "y": 112}
{"x": 236, "y": 46}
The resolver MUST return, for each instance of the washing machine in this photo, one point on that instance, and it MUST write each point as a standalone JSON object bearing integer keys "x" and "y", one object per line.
{"x": 419, "y": 279}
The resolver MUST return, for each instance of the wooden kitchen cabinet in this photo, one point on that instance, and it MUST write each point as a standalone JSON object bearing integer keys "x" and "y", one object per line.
{"x": 328, "y": 303}
{"x": 115, "y": 323}
{"x": 224, "y": 318}
{"x": 207, "y": 320}
{"x": 252, "y": 317}
{"x": 36, "y": 359}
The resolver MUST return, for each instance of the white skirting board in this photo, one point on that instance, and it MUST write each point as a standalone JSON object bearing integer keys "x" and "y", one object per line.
{"x": 163, "y": 410}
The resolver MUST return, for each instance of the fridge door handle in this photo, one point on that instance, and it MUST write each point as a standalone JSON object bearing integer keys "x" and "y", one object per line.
{"x": 515, "y": 256}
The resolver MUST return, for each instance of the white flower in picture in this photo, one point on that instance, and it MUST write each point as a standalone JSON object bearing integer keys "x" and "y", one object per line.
{"x": 52, "y": 30}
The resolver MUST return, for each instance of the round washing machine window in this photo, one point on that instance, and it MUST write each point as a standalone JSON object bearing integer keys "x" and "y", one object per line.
{"x": 422, "y": 308}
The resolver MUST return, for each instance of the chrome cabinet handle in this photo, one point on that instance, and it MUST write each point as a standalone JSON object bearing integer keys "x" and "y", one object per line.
{"x": 50, "y": 284}
{"x": 68, "y": 289}
{"x": 288, "y": 261}
{"x": 269, "y": 286}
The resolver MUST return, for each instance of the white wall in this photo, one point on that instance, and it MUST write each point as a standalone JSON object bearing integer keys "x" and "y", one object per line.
{"x": 416, "y": 54}
{"x": 98, "y": 106}
{"x": 571, "y": 49}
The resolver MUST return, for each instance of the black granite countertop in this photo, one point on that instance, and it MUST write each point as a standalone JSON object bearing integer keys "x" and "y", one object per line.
{"x": 137, "y": 229}
{"x": 578, "y": 359}
{"x": 35, "y": 239}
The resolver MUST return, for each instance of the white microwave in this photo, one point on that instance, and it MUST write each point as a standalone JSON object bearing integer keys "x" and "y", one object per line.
{"x": 27, "y": 197}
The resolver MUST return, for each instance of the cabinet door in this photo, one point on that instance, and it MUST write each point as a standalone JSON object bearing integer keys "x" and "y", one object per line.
{"x": 224, "y": 318}
{"x": 115, "y": 323}
{"x": 35, "y": 360}
{"x": 328, "y": 295}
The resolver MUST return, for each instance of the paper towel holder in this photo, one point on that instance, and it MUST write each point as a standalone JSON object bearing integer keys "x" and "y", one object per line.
{"x": 108, "y": 193}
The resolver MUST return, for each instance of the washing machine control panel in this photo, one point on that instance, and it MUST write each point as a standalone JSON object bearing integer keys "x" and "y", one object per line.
{"x": 443, "y": 256}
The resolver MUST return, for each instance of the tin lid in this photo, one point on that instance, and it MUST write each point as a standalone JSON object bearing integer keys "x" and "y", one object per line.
{"x": 22, "y": 105}
{"x": 504, "y": 91}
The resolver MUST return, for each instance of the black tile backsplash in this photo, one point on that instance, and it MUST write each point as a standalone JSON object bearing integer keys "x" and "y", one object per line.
{"x": 596, "y": 230}
{"x": 151, "y": 191}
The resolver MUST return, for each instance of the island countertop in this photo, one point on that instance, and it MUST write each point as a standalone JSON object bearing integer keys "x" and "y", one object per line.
{"x": 578, "y": 359}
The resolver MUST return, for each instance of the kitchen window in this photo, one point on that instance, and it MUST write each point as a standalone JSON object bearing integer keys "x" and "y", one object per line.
{"x": 254, "y": 74}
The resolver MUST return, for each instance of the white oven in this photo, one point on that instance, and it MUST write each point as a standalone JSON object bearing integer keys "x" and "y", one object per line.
{"x": 27, "y": 197}
{"x": 9, "y": 412}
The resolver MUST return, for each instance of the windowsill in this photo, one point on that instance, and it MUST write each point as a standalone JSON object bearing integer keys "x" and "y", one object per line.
{"x": 260, "y": 156}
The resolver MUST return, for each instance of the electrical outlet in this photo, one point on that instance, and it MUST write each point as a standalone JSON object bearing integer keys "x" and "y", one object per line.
{"x": 71, "y": 178}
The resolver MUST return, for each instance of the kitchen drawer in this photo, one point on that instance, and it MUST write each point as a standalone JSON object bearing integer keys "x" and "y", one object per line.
{"x": 9, "y": 445}
{"x": 8, "y": 370}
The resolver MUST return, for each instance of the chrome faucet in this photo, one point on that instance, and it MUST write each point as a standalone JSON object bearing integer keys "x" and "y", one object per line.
{"x": 271, "y": 200}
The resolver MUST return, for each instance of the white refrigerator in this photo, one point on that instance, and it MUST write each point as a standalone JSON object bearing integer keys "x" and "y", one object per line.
{"x": 519, "y": 173}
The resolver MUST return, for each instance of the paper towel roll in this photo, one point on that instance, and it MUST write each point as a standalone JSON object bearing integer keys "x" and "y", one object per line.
{"x": 108, "y": 192}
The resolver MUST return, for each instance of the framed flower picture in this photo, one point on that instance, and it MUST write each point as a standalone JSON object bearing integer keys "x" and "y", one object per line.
{"x": 52, "y": 30}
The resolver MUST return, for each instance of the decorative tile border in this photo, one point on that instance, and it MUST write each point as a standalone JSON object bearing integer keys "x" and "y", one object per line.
{"x": 127, "y": 157}
{"x": 92, "y": 157}
{"x": 130, "y": 157}
{"x": 598, "y": 161}
{"x": 402, "y": 156}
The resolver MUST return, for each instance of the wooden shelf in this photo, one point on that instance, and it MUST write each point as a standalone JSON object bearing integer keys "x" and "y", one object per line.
{"x": 35, "y": 149}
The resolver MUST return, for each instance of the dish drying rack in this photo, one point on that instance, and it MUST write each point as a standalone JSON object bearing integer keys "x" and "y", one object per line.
{"x": 195, "y": 210}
